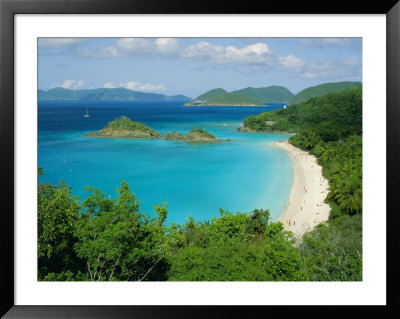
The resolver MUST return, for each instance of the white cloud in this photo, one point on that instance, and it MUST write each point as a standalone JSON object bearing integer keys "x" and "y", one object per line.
{"x": 253, "y": 58}
{"x": 137, "y": 45}
{"x": 251, "y": 54}
{"x": 349, "y": 69}
{"x": 167, "y": 45}
{"x": 60, "y": 42}
{"x": 134, "y": 47}
{"x": 137, "y": 86}
{"x": 70, "y": 84}
{"x": 202, "y": 50}
{"x": 108, "y": 85}
{"x": 352, "y": 61}
{"x": 104, "y": 52}
{"x": 291, "y": 62}
{"x": 218, "y": 54}
{"x": 254, "y": 53}
{"x": 308, "y": 75}
{"x": 322, "y": 42}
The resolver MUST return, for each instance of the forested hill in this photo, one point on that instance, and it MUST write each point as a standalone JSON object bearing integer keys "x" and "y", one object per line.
{"x": 212, "y": 94}
{"x": 322, "y": 89}
{"x": 332, "y": 116}
{"x": 270, "y": 94}
{"x": 235, "y": 100}
{"x": 105, "y": 94}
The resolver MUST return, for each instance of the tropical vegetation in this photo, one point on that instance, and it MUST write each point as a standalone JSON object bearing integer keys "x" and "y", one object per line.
{"x": 103, "y": 239}
{"x": 329, "y": 127}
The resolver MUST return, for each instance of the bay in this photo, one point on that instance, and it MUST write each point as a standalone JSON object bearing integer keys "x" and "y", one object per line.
{"x": 194, "y": 179}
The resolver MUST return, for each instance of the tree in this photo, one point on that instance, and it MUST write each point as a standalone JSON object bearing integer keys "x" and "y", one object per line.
{"x": 333, "y": 251}
{"x": 117, "y": 241}
{"x": 58, "y": 212}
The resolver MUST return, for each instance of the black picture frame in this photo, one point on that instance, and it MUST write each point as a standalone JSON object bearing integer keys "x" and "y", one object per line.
{"x": 8, "y": 10}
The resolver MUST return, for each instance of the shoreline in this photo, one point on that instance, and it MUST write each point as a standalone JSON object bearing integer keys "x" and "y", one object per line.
{"x": 306, "y": 207}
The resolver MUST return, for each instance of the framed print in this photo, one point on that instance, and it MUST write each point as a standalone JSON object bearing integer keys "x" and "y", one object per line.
{"x": 190, "y": 159}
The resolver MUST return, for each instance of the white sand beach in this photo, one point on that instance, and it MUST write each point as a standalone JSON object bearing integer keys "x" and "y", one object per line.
{"x": 306, "y": 207}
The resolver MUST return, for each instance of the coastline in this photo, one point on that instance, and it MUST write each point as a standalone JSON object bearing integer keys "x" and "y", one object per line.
{"x": 306, "y": 207}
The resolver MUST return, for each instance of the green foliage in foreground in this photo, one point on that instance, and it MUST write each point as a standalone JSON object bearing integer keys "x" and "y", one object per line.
{"x": 237, "y": 247}
{"x": 111, "y": 240}
{"x": 334, "y": 252}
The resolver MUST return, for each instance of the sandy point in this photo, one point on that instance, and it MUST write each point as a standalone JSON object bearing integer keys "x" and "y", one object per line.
{"x": 306, "y": 207}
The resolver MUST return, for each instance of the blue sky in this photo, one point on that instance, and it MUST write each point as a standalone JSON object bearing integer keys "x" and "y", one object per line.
{"x": 191, "y": 66}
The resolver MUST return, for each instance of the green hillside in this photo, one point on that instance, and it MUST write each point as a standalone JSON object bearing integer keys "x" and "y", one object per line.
{"x": 334, "y": 115}
{"x": 104, "y": 94}
{"x": 322, "y": 89}
{"x": 212, "y": 94}
{"x": 235, "y": 100}
{"x": 329, "y": 127}
{"x": 270, "y": 94}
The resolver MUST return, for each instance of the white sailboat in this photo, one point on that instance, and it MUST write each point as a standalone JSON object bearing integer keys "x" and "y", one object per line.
{"x": 87, "y": 113}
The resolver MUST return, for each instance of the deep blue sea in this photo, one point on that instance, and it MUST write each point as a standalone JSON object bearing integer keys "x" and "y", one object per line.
{"x": 195, "y": 179}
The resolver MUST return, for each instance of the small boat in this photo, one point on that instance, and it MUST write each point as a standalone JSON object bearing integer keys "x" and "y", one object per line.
{"x": 87, "y": 113}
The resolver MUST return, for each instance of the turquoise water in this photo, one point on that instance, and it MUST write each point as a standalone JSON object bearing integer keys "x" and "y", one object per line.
{"x": 195, "y": 179}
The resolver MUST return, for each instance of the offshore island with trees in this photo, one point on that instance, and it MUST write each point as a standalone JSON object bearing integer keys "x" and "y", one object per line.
{"x": 105, "y": 239}
{"x": 124, "y": 127}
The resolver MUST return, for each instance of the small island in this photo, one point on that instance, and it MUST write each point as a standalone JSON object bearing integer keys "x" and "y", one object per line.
{"x": 196, "y": 135}
{"x": 125, "y": 128}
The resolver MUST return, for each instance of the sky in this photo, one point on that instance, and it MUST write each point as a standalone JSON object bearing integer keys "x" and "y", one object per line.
{"x": 192, "y": 66}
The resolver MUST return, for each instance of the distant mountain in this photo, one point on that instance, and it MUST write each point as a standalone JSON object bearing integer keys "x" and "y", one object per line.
{"x": 105, "y": 94}
{"x": 212, "y": 94}
{"x": 270, "y": 94}
{"x": 322, "y": 89}
{"x": 247, "y": 96}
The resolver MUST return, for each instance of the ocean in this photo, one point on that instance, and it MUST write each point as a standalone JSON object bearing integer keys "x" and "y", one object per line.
{"x": 194, "y": 179}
